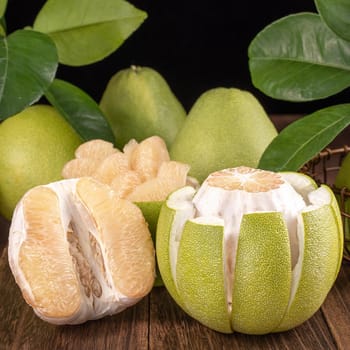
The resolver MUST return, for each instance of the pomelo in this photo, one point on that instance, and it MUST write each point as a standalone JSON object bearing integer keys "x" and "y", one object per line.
{"x": 139, "y": 103}
{"x": 78, "y": 252}
{"x": 251, "y": 251}
{"x": 342, "y": 184}
{"x": 141, "y": 172}
{"x": 226, "y": 127}
{"x": 34, "y": 146}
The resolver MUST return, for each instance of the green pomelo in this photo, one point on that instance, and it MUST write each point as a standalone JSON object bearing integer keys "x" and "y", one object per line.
{"x": 150, "y": 211}
{"x": 225, "y": 128}
{"x": 262, "y": 277}
{"x": 267, "y": 295}
{"x": 34, "y": 146}
{"x": 138, "y": 103}
{"x": 342, "y": 182}
{"x": 342, "y": 178}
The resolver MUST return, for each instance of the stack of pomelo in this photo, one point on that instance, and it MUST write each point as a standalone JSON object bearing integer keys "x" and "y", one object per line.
{"x": 249, "y": 251}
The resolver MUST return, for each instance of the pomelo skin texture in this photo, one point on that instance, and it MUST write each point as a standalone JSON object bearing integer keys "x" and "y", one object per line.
{"x": 139, "y": 103}
{"x": 34, "y": 146}
{"x": 250, "y": 251}
{"x": 226, "y": 127}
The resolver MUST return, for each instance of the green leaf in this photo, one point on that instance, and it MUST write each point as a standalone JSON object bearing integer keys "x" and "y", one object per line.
{"x": 86, "y": 31}
{"x": 28, "y": 64}
{"x": 305, "y": 138}
{"x": 80, "y": 110}
{"x": 298, "y": 58}
{"x": 336, "y": 14}
{"x": 3, "y": 6}
{"x": 3, "y": 27}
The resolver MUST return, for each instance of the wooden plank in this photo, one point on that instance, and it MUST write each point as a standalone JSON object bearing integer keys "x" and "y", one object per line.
{"x": 20, "y": 328}
{"x": 171, "y": 328}
{"x": 336, "y": 308}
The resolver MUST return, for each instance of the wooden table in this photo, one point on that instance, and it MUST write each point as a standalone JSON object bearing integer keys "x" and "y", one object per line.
{"x": 158, "y": 323}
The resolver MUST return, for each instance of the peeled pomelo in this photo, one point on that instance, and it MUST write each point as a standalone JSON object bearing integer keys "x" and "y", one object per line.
{"x": 251, "y": 251}
{"x": 226, "y": 127}
{"x": 142, "y": 173}
{"x": 34, "y": 146}
{"x": 139, "y": 103}
{"x": 78, "y": 252}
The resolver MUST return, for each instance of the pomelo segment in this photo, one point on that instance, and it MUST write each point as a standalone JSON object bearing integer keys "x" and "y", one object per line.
{"x": 45, "y": 231}
{"x": 253, "y": 248}
{"x": 125, "y": 235}
{"x": 141, "y": 173}
{"x": 262, "y": 278}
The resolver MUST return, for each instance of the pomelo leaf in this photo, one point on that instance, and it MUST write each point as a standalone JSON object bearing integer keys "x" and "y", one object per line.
{"x": 86, "y": 31}
{"x": 80, "y": 110}
{"x": 3, "y": 6}
{"x": 300, "y": 141}
{"x": 299, "y": 58}
{"x": 28, "y": 65}
{"x": 336, "y": 14}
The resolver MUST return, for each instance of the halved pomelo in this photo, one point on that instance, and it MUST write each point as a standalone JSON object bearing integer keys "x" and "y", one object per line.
{"x": 251, "y": 251}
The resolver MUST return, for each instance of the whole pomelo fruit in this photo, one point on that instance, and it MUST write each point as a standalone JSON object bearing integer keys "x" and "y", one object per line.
{"x": 226, "y": 127}
{"x": 250, "y": 251}
{"x": 34, "y": 146}
{"x": 138, "y": 103}
{"x": 342, "y": 184}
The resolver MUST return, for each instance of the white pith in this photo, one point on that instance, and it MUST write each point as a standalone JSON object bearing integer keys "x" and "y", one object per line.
{"x": 217, "y": 206}
{"x": 72, "y": 211}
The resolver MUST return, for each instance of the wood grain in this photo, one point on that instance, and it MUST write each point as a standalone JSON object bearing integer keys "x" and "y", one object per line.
{"x": 171, "y": 328}
{"x": 158, "y": 323}
{"x": 20, "y": 328}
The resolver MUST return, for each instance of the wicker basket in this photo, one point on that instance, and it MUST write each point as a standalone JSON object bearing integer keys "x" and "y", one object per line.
{"x": 323, "y": 169}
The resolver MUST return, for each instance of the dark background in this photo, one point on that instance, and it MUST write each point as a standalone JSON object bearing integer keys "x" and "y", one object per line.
{"x": 195, "y": 45}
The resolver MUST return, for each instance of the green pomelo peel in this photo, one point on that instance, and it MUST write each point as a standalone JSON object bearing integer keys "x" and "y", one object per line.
{"x": 267, "y": 294}
{"x": 225, "y": 128}
{"x": 319, "y": 266}
{"x": 261, "y": 287}
{"x": 35, "y": 144}
{"x": 200, "y": 273}
{"x": 138, "y": 103}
